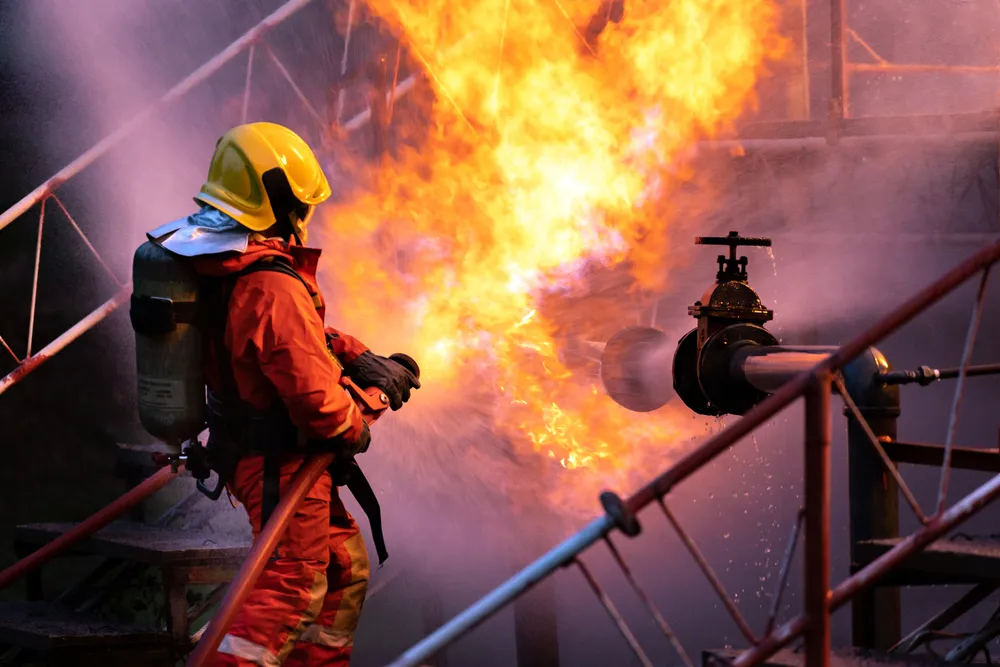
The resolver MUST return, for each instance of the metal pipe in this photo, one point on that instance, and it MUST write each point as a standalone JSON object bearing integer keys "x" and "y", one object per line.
{"x": 890, "y": 411}
{"x": 648, "y": 602}
{"x": 858, "y": 140}
{"x": 362, "y": 118}
{"x": 245, "y": 110}
{"x": 710, "y": 575}
{"x": 34, "y": 281}
{"x": 970, "y": 344}
{"x": 492, "y": 602}
{"x": 873, "y": 410}
{"x": 189, "y": 82}
{"x": 817, "y": 552}
{"x": 838, "y": 69}
{"x": 89, "y": 526}
{"x": 767, "y": 368}
{"x": 262, "y": 549}
{"x": 915, "y": 67}
{"x": 71, "y": 334}
{"x": 926, "y": 375}
{"x": 615, "y": 615}
{"x": 870, "y": 574}
{"x": 786, "y": 565}
{"x": 343, "y": 62}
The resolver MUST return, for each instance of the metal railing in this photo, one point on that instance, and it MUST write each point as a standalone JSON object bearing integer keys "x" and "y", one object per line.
{"x": 815, "y": 385}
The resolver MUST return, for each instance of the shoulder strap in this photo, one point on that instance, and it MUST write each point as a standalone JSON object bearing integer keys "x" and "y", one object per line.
{"x": 220, "y": 315}
{"x": 278, "y": 265}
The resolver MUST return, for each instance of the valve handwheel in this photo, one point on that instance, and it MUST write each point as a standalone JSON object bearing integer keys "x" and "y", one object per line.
{"x": 733, "y": 240}
{"x": 732, "y": 268}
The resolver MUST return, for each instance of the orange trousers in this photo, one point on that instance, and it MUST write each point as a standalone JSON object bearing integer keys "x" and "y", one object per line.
{"x": 306, "y": 605}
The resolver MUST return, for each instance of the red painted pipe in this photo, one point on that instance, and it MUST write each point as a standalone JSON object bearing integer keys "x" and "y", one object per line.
{"x": 89, "y": 526}
{"x": 262, "y": 549}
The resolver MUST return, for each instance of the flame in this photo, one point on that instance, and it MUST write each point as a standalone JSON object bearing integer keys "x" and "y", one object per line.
{"x": 541, "y": 160}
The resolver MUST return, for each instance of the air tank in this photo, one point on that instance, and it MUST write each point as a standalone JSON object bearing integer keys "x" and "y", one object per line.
{"x": 168, "y": 345}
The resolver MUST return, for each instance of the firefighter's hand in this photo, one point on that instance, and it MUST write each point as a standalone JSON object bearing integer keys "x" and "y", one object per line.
{"x": 344, "y": 448}
{"x": 371, "y": 370}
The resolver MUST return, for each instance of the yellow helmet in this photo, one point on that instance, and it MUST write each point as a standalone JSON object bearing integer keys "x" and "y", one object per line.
{"x": 237, "y": 184}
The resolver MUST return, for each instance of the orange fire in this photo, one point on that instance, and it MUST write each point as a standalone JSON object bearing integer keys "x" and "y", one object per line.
{"x": 543, "y": 156}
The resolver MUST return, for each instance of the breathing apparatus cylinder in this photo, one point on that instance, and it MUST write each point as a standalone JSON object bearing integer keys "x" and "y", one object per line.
{"x": 168, "y": 345}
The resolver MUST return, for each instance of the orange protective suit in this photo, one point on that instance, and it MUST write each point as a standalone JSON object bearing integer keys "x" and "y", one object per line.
{"x": 306, "y": 604}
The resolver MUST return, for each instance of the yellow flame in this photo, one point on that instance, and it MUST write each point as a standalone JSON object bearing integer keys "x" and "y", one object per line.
{"x": 540, "y": 158}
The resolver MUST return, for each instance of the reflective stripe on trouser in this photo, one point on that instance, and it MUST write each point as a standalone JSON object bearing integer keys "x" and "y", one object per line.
{"x": 292, "y": 588}
{"x": 329, "y": 640}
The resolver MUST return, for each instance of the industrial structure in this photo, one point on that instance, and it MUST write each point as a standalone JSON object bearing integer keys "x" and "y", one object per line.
{"x": 729, "y": 364}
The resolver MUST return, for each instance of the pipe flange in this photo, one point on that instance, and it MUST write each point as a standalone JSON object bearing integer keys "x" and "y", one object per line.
{"x": 623, "y": 517}
{"x": 726, "y": 392}
{"x": 685, "y": 376}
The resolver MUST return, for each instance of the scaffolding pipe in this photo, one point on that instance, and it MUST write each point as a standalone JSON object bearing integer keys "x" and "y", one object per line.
{"x": 70, "y": 335}
{"x": 838, "y": 65}
{"x": 189, "y": 82}
{"x": 89, "y": 526}
{"x": 255, "y": 561}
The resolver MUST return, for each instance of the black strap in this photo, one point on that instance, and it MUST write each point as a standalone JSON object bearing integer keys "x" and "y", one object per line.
{"x": 278, "y": 265}
{"x": 362, "y": 490}
{"x": 271, "y": 492}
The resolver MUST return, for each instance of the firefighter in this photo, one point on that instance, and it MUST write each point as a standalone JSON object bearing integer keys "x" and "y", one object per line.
{"x": 274, "y": 394}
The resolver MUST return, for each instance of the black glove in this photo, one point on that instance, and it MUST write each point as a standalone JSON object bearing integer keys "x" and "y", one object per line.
{"x": 371, "y": 370}
{"x": 345, "y": 448}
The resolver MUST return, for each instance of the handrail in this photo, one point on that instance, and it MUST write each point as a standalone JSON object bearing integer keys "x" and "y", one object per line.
{"x": 89, "y": 526}
{"x": 654, "y": 491}
{"x": 262, "y": 549}
{"x": 89, "y": 322}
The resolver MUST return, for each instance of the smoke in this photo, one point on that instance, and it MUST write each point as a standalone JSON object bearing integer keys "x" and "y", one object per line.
{"x": 852, "y": 231}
